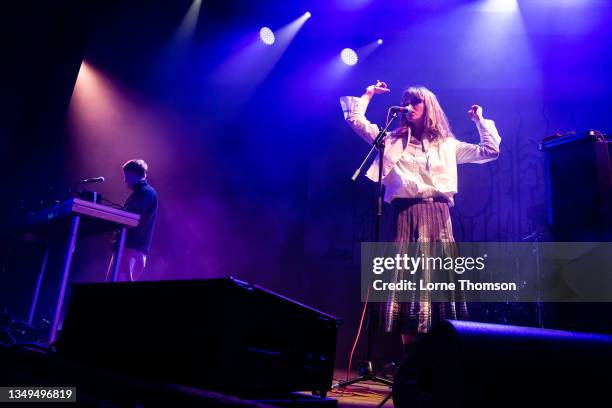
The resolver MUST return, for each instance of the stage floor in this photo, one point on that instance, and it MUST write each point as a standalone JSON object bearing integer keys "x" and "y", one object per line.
{"x": 367, "y": 394}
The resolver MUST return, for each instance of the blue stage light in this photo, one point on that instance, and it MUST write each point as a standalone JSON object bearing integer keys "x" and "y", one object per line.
{"x": 267, "y": 36}
{"x": 500, "y": 6}
{"x": 349, "y": 56}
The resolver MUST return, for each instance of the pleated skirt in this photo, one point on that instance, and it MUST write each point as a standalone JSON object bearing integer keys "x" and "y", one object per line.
{"x": 419, "y": 221}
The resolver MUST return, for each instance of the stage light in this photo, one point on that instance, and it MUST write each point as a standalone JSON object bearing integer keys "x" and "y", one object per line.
{"x": 349, "y": 56}
{"x": 267, "y": 36}
{"x": 249, "y": 66}
{"x": 380, "y": 41}
{"x": 307, "y": 14}
{"x": 189, "y": 24}
{"x": 500, "y": 6}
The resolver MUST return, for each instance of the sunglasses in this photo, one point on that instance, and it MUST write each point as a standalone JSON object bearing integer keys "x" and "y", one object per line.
{"x": 413, "y": 101}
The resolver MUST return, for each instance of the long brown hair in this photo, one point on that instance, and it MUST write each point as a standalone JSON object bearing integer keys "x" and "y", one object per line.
{"x": 436, "y": 126}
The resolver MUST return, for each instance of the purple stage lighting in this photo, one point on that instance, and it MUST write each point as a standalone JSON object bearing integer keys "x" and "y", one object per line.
{"x": 307, "y": 14}
{"x": 349, "y": 56}
{"x": 267, "y": 36}
{"x": 380, "y": 41}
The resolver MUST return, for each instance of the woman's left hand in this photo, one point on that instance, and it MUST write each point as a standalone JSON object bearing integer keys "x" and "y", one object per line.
{"x": 475, "y": 113}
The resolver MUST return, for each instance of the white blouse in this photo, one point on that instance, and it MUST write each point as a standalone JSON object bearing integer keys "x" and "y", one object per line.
{"x": 420, "y": 170}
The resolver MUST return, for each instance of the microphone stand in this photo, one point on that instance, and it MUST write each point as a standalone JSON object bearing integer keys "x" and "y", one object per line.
{"x": 366, "y": 370}
{"x": 93, "y": 196}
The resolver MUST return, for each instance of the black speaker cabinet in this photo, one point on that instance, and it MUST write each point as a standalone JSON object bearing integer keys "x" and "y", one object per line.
{"x": 470, "y": 364}
{"x": 579, "y": 188}
{"x": 219, "y": 334}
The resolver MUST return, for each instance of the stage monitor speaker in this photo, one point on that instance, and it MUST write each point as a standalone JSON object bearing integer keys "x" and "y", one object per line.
{"x": 218, "y": 334}
{"x": 470, "y": 364}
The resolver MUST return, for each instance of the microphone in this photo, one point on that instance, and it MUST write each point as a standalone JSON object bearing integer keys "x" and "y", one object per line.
{"x": 401, "y": 109}
{"x": 93, "y": 180}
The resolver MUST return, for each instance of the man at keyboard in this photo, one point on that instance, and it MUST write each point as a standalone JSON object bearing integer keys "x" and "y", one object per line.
{"x": 142, "y": 201}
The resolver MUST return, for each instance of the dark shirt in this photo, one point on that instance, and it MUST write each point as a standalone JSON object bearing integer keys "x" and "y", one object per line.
{"x": 142, "y": 201}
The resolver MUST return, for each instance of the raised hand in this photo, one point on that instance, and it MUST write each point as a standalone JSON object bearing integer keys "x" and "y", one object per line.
{"x": 378, "y": 88}
{"x": 475, "y": 113}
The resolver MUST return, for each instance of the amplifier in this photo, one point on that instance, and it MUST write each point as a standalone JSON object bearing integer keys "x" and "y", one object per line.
{"x": 579, "y": 187}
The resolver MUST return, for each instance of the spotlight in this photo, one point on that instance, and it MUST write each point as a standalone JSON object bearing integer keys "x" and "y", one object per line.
{"x": 349, "y": 56}
{"x": 307, "y": 14}
{"x": 267, "y": 36}
{"x": 380, "y": 41}
{"x": 501, "y": 6}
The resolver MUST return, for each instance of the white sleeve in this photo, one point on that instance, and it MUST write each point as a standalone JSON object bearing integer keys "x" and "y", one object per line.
{"x": 354, "y": 109}
{"x": 485, "y": 151}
